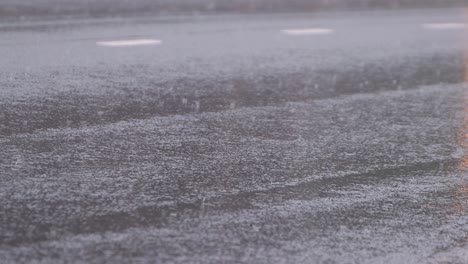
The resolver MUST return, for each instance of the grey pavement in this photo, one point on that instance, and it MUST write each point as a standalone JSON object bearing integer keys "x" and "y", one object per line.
{"x": 234, "y": 141}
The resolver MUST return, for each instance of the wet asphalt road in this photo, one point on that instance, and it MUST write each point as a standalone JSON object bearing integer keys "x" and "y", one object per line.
{"x": 232, "y": 141}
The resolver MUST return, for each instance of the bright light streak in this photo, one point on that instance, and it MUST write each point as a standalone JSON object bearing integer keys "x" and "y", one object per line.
{"x": 129, "y": 42}
{"x": 307, "y": 31}
{"x": 444, "y": 26}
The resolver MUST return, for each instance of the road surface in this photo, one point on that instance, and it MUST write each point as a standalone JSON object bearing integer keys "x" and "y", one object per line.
{"x": 308, "y": 138}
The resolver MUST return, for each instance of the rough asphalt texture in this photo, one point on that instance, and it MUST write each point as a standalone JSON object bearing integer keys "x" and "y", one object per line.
{"x": 232, "y": 142}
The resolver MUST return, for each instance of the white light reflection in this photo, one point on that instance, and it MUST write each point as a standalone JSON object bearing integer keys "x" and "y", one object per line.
{"x": 129, "y": 42}
{"x": 444, "y": 26}
{"x": 308, "y": 31}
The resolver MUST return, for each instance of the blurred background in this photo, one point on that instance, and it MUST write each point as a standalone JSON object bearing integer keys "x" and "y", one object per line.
{"x": 13, "y": 9}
